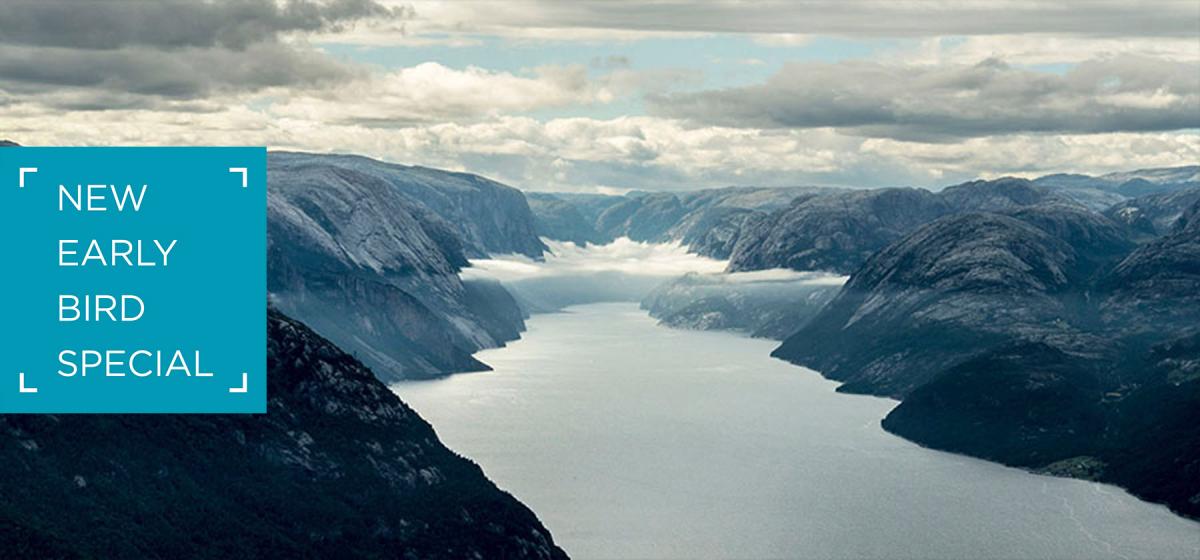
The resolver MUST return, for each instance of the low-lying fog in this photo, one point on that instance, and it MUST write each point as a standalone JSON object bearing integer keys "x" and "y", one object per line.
{"x": 624, "y": 270}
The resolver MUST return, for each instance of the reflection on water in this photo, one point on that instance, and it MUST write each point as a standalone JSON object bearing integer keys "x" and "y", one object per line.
{"x": 630, "y": 440}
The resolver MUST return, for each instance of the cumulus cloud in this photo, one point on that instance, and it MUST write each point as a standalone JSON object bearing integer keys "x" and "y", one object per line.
{"x": 952, "y": 101}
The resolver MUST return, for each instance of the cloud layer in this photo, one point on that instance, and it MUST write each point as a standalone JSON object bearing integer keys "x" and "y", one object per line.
{"x": 1122, "y": 94}
{"x": 968, "y": 89}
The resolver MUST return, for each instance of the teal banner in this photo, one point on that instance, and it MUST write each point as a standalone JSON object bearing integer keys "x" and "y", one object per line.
{"x": 134, "y": 280}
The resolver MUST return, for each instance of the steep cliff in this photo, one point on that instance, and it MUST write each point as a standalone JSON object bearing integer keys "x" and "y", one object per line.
{"x": 337, "y": 467}
{"x": 368, "y": 254}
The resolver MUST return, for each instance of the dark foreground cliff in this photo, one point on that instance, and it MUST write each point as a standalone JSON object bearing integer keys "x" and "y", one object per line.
{"x": 339, "y": 467}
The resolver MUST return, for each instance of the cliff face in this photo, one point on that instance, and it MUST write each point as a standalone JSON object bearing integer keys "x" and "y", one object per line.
{"x": 338, "y": 467}
{"x": 368, "y": 254}
{"x": 489, "y": 217}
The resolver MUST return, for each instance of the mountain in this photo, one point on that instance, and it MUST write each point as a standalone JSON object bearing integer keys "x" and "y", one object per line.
{"x": 1157, "y": 287}
{"x": 1153, "y": 215}
{"x": 1041, "y": 337}
{"x": 1099, "y": 193}
{"x": 562, "y": 220}
{"x": 489, "y": 218}
{"x": 838, "y": 231}
{"x": 958, "y": 285}
{"x": 706, "y": 220}
{"x": 833, "y": 231}
{"x": 1085, "y": 189}
{"x": 368, "y": 254}
{"x": 337, "y": 467}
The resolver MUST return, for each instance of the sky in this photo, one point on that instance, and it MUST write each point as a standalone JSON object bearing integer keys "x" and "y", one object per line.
{"x": 598, "y": 96}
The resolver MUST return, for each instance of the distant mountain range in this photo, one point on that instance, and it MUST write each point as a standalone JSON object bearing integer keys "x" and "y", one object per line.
{"x": 812, "y": 228}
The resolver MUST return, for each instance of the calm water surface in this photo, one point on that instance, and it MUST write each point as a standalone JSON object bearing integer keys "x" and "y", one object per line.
{"x": 632, "y": 440}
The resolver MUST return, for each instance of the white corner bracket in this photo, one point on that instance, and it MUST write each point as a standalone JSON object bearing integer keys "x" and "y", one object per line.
{"x": 245, "y": 385}
{"x": 22, "y": 386}
{"x": 24, "y": 170}
{"x": 241, "y": 170}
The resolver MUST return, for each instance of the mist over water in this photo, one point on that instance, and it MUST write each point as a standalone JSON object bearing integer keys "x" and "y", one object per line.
{"x": 624, "y": 270}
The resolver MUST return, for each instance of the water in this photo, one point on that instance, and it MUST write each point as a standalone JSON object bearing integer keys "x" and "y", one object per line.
{"x": 631, "y": 440}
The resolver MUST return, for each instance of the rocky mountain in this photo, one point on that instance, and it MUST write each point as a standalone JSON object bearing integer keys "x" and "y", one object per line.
{"x": 563, "y": 220}
{"x": 1153, "y": 215}
{"x": 368, "y": 254}
{"x": 706, "y": 220}
{"x": 833, "y": 231}
{"x": 838, "y": 231}
{"x": 489, "y": 218}
{"x": 1040, "y": 337}
{"x": 1157, "y": 287}
{"x": 938, "y": 296}
{"x": 337, "y": 467}
{"x": 1101, "y": 192}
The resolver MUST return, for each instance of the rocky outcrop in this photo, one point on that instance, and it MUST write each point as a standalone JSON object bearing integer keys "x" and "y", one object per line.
{"x": 368, "y": 254}
{"x": 337, "y": 467}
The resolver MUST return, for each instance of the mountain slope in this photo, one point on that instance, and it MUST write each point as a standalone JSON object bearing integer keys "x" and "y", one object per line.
{"x": 368, "y": 254}
{"x": 338, "y": 467}
{"x": 935, "y": 298}
{"x": 1041, "y": 338}
{"x": 838, "y": 231}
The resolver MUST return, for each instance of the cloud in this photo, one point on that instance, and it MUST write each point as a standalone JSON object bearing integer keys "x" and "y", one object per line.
{"x": 431, "y": 92}
{"x": 610, "y": 155}
{"x": 153, "y": 75}
{"x": 235, "y": 24}
{"x": 119, "y": 54}
{"x": 954, "y": 101}
{"x": 586, "y": 20}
